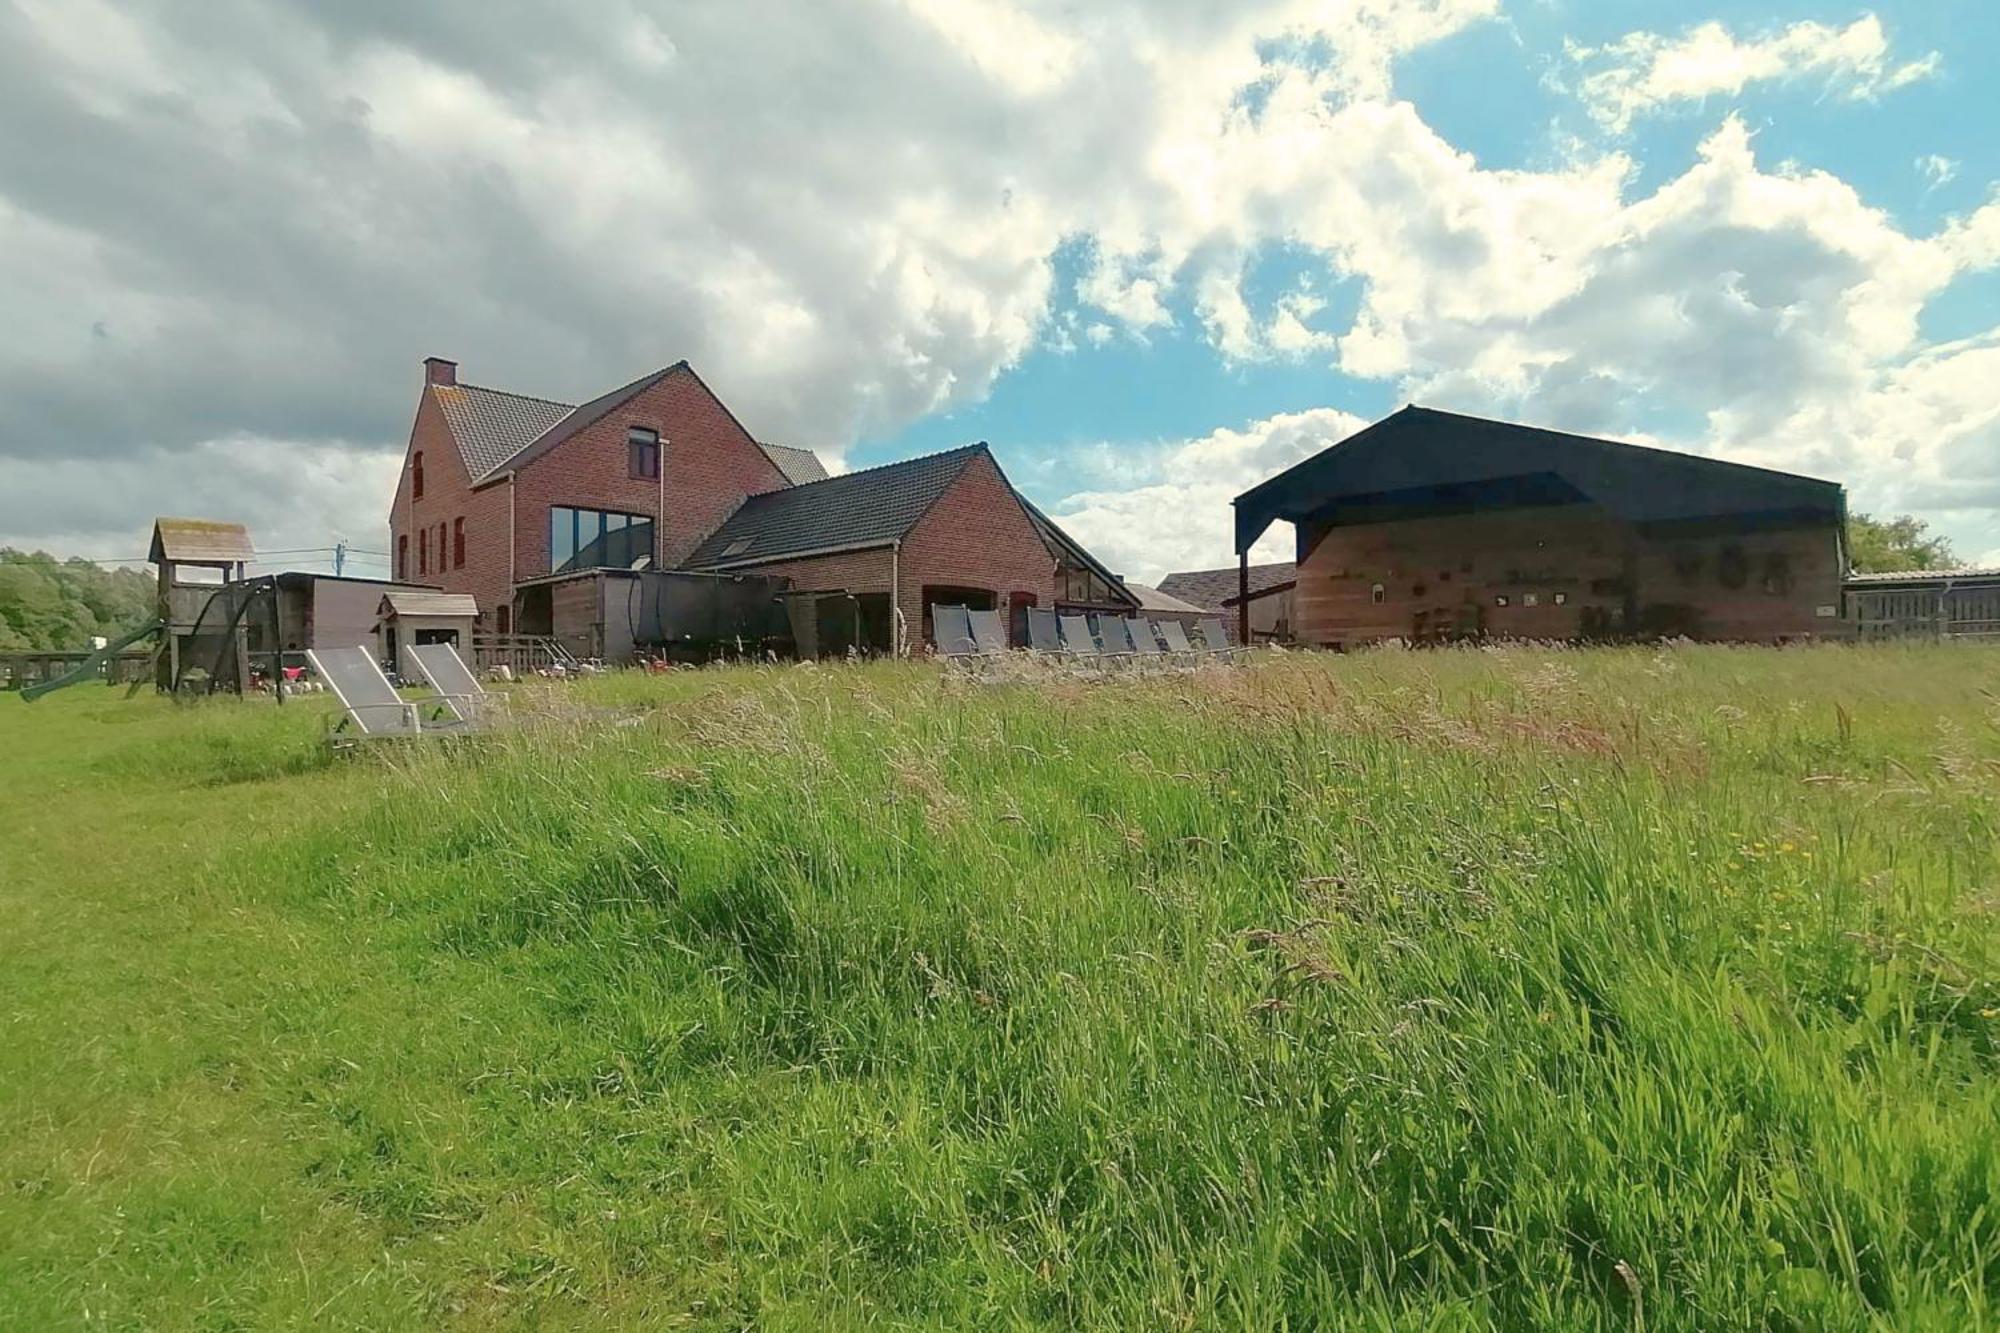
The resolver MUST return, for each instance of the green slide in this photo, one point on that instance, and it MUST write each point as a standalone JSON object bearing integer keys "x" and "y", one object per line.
{"x": 92, "y": 664}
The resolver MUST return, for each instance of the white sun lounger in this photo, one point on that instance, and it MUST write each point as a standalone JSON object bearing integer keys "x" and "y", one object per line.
{"x": 374, "y": 709}
{"x": 469, "y": 701}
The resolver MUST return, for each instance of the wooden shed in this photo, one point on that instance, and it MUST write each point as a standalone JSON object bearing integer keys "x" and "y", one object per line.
{"x": 410, "y": 618}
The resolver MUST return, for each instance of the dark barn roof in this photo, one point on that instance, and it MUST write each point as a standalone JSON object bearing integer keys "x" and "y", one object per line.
{"x": 1423, "y": 460}
{"x": 853, "y": 510}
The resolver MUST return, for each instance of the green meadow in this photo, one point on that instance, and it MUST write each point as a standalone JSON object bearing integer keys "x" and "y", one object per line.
{"x": 1617, "y": 988}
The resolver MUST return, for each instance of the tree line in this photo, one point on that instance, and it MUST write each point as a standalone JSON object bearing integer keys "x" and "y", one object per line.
{"x": 51, "y": 605}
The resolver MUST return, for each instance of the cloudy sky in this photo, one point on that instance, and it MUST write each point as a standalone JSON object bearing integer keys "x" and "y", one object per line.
{"x": 1151, "y": 251}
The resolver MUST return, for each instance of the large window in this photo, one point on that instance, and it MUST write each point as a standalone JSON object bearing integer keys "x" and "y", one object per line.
{"x": 595, "y": 539}
{"x": 642, "y": 448}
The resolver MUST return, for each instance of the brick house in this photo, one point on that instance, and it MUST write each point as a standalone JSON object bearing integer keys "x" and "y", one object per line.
{"x": 522, "y": 501}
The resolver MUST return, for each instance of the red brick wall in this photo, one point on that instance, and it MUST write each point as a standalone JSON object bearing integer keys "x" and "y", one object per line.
{"x": 709, "y": 463}
{"x": 975, "y": 536}
{"x": 448, "y": 496}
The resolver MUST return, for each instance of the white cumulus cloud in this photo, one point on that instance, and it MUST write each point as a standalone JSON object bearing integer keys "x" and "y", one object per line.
{"x": 1644, "y": 71}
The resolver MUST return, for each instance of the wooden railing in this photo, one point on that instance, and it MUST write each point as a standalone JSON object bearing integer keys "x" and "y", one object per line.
{"x": 519, "y": 652}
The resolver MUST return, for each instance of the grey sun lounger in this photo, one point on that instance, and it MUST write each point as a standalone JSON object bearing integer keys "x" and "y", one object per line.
{"x": 1043, "y": 636}
{"x": 373, "y": 707}
{"x": 439, "y": 663}
{"x": 1077, "y": 640}
{"x": 1217, "y": 638}
{"x": 987, "y": 632}
{"x": 951, "y": 629}
{"x": 1145, "y": 637}
{"x": 1176, "y": 637}
{"x": 1116, "y": 636}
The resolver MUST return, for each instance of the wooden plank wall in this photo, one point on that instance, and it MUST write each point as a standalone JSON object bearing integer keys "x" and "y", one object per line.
{"x": 1560, "y": 572}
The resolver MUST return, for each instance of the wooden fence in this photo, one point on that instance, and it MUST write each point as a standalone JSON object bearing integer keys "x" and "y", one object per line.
{"x": 1940, "y": 612}
{"x": 22, "y": 669}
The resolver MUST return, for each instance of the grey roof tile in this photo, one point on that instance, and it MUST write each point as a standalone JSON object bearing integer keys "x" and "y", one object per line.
{"x": 492, "y": 425}
{"x": 854, "y": 509}
{"x": 799, "y": 465}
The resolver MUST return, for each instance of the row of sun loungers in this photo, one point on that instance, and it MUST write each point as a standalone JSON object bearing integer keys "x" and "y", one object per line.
{"x": 971, "y": 637}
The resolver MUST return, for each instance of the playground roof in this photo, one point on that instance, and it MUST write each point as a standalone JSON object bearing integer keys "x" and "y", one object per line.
{"x": 200, "y": 541}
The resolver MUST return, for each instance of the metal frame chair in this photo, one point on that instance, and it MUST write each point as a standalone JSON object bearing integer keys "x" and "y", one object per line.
{"x": 369, "y": 701}
{"x": 439, "y": 663}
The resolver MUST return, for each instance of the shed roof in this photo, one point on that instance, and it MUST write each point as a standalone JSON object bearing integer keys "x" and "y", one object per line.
{"x": 418, "y": 602}
{"x": 200, "y": 541}
{"x": 856, "y": 509}
{"x": 1213, "y": 589}
{"x": 1152, "y": 599}
{"x": 1420, "y": 449}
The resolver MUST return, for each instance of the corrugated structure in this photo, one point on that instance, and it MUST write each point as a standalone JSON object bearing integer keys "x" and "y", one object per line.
{"x": 1926, "y": 604}
{"x": 1432, "y": 525}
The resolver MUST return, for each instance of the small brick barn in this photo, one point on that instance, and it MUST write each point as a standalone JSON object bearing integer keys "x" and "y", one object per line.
{"x": 1433, "y": 526}
{"x": 649, "y": 519}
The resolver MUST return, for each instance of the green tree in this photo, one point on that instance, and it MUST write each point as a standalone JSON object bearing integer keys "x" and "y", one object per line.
{"x": 1883, "y": 545}
{"x": 57, "y": 605}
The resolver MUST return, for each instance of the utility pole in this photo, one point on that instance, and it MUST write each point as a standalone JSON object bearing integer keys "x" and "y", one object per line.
{"x": 339, "y": 558}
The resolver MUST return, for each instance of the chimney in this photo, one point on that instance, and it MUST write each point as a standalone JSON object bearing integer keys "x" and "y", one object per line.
{"x": 437, "y": 370}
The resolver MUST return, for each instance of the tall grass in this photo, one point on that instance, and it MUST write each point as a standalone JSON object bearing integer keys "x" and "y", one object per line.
{"x": 1531, "y": 988}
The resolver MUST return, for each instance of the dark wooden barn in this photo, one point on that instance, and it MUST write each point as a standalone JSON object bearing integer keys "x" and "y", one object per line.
{"x": 1433, "y": 526}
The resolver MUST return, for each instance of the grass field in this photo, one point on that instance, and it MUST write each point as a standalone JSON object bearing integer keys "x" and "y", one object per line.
{"x": 1620, "y": 988}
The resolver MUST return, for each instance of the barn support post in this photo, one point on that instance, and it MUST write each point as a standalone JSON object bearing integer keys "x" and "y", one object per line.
{"x": 1243, "y": 597}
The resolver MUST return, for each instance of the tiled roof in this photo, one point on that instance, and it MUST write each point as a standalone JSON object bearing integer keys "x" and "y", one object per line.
{"x": 852, "y": 510}
{"x": 491, "y": 425}
{"x": 1211, "y": 589}
{"x": 799, "y": 465}
{"x": 575, "y": 419}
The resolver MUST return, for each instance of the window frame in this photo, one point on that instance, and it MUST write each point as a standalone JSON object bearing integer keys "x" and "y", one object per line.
{"x": 458, "y": 543}
{"x": 642, "y": 453}
{"x": 417, "y": 475}
{"x": 599, "y": 533}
